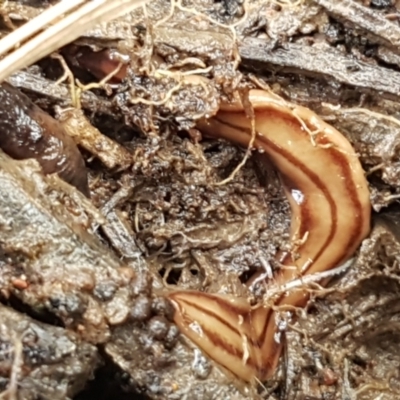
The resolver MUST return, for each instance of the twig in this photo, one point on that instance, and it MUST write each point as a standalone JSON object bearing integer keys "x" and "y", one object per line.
{"x": 256, "y": 53}
{"x": 361, "y": 17}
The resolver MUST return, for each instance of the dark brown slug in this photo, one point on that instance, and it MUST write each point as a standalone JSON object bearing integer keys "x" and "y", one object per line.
{"x": 98, "y": 63}
{"x": 26, "y": 131}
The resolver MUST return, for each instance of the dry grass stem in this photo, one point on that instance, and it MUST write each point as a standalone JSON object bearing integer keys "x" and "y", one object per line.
{"x": 63, "y": 32}
{"x": 23, "y": 33}
{"x": 11, "y": 392}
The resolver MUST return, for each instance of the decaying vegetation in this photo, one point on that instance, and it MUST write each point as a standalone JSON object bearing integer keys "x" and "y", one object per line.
{"x": 83, "y": 280}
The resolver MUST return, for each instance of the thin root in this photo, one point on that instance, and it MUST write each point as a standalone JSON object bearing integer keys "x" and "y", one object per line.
{"x": 96, "y": 85}
{"x": 247, "y": 154}
{"x": 141, "y": 100}
{"x": 11, "y": 392}
{"x": 67, "y": 76}
{"x": 177, "y": 4}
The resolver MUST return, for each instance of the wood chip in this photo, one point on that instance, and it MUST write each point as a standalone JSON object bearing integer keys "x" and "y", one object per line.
{"x": 317, "y": 62}
{"x": 109, "y": 152}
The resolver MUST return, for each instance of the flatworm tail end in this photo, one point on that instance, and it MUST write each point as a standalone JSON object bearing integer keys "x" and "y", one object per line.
{"x": 221, "y": 327}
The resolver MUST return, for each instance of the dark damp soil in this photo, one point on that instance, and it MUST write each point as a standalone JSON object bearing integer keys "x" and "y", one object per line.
{"x": 92, "y": 322}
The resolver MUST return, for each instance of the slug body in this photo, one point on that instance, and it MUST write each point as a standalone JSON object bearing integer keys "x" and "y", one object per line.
{"x": 330, "y": 206}
{"x": 99, "y": 64}
{"x": 26, "y": 131}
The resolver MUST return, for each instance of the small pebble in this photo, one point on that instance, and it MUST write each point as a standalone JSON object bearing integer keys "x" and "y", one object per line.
{"x": 162, "y": 306}
{"x": 141, "y": 284}
{"x": 141, "y": 310}
{"x": 105, "y": 290}
{"x": 158, "y": 327}
{"x": 171, "y": 337}
{"x": 201, "y": 367}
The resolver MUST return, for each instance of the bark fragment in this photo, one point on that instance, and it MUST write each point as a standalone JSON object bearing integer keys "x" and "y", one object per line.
{"x": 41, "y": 356}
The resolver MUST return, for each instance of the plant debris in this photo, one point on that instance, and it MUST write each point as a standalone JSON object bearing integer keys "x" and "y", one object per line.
{"x": 92, "y": 274}
{"x": 40, "y": 358}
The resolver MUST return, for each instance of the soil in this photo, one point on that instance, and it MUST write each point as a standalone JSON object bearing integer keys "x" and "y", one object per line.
{"x": 89, "y": 275}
